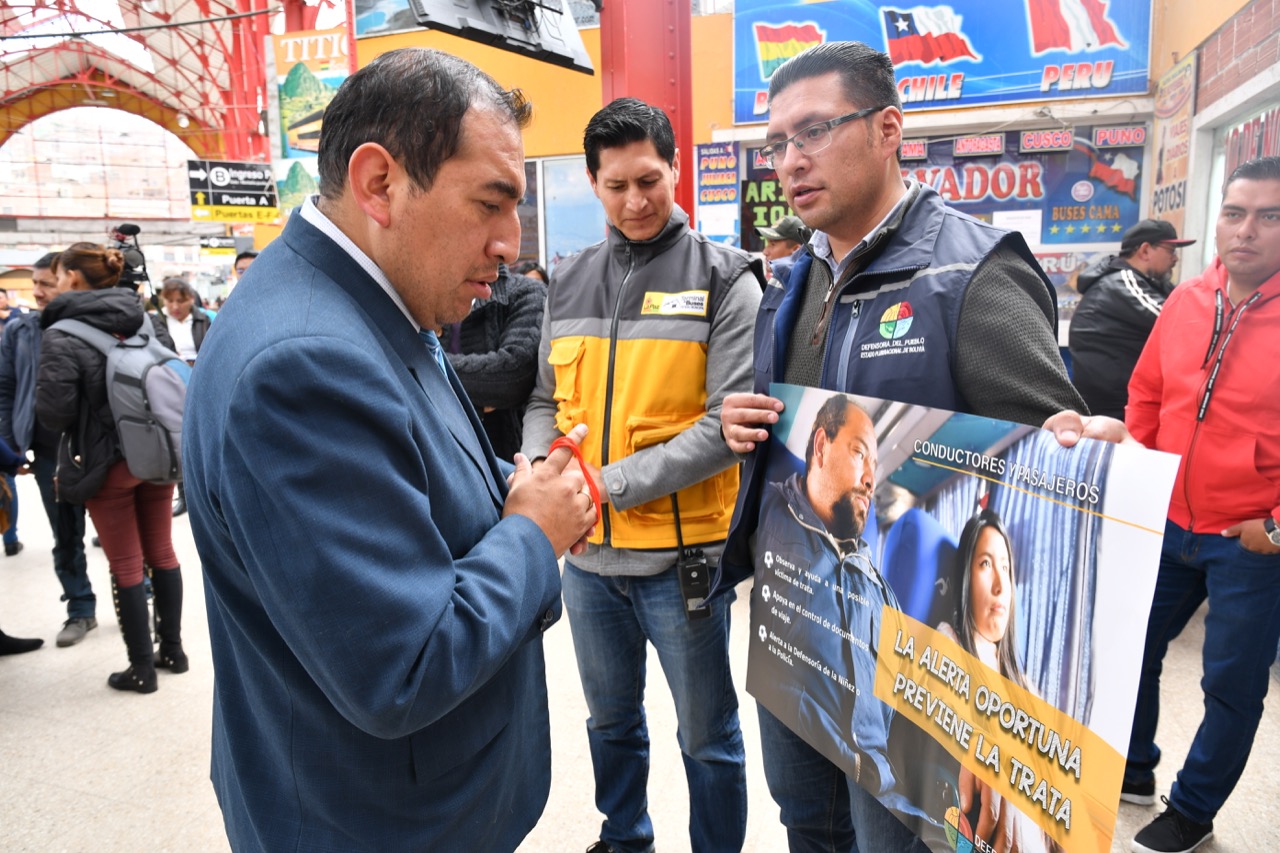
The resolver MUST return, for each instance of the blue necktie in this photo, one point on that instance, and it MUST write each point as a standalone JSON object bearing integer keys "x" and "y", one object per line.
{"x": 433, "y": 346}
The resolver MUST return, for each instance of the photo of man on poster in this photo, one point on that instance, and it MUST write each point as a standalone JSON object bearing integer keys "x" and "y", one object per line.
{"x": 811, "y": 534}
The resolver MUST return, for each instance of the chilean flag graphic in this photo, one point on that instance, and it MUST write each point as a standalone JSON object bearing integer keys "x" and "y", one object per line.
{"x": 1116, "y": 171}
{"x": 926, "y": 35}
{"x": 1071, "y": 25}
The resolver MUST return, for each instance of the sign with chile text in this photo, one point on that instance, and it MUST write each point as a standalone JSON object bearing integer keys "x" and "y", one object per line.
{"x": 952, "y": 609}
{"x": 962, "y": 53}
{"x": 232, "y": 192}
{"x": 1084, "y": 181}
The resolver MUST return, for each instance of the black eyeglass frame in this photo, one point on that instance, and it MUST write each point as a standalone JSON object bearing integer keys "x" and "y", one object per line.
{"x": 776, "y": 150}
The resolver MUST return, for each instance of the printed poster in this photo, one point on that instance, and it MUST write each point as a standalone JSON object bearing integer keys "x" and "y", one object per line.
{"x": 308, "y": 68}
{"x": 1175, "y": 104}
{"x": 952, "y": 608}
{"x": 959, "y": 54}
{"x": 763, "y": 201}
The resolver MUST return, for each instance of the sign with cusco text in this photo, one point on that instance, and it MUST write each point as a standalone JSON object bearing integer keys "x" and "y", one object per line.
{"x": 963, "y": 53}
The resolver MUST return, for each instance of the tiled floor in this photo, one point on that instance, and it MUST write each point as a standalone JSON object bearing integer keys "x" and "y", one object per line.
{"x": 84, "y": 769}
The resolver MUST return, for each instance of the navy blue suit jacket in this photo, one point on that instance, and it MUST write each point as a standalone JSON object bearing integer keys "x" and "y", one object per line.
{"x": 376, "y": 625}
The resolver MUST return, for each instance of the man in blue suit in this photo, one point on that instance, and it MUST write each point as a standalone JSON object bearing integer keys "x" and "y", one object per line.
{"x": 377, "y": 587}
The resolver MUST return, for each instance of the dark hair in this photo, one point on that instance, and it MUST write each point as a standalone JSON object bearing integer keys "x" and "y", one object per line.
{"x": 45, "y": 262}
{"x": 831, "y": 418}
{"x": 412, "y": 102}
{"x": 101, "y": 267}
{"x": 173, "y": 283}
{"x": 1258, "y": 169}
{"x": 624, "y": 121}
{"x": 240, "y": 257}
{"x": 1006, "y": 655}
{"x": 866, "y": 74}
{"x": 56, "y": 263}
{"x": 528, "y": 268}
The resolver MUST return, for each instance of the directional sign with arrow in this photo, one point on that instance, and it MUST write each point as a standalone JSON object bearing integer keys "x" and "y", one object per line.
{"x": 232, "y": 192}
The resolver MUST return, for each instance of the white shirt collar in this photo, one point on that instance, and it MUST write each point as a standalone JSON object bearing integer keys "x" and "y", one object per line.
{"x": 311, "y": 213}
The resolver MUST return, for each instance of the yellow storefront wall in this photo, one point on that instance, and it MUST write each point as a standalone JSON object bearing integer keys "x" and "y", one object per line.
{"x": 564, "y": 100}
{"x": 1179, "y": 26}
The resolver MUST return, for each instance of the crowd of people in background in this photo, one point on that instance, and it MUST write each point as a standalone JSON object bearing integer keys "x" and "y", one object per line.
{"x": 489, "y": 421}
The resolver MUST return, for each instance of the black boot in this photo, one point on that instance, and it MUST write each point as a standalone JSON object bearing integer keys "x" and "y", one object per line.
{"x": 131, "y": 608}
{"x": 167, "y": 585}
{"x": 16, "y": 646}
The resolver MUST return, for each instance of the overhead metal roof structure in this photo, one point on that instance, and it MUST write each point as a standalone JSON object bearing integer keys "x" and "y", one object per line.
{"x": 195, "y": 67}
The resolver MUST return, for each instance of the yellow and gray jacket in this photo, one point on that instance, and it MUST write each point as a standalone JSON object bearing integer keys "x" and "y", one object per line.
{"x": 641, "y": 341}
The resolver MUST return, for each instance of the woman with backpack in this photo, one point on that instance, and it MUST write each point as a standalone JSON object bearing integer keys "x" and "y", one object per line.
{"x": 133, "y": 517}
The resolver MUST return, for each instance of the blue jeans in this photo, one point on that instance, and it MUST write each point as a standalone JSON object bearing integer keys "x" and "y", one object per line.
{"x": 11, "y": 535}
{"x": 67, "y": 523}
{"x": 824, "y": 810}
{"x": 1241, "y": 630}
{"x": 611, "y": 619}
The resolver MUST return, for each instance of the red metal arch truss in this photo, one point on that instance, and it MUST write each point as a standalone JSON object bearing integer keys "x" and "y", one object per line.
{"x": 208, "y": 83}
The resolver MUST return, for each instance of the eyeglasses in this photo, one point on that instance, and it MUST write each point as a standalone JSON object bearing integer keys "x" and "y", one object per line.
{"x": 813, "y": 138}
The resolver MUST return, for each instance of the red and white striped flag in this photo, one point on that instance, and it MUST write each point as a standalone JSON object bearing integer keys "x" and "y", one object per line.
{"x": 1071, "y": 25}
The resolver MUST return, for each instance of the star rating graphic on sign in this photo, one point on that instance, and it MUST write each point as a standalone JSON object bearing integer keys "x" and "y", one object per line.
{"x": 1087, "y": 228}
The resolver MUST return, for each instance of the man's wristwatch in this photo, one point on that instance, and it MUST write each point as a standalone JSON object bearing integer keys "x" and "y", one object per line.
{"x": 1273, "y": 532}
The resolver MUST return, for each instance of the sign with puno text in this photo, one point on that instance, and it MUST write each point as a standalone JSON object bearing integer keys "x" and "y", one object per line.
{"x": 717, "y": 201}
{"x": 950, "y": 608}
{"x": 961, "y": 53}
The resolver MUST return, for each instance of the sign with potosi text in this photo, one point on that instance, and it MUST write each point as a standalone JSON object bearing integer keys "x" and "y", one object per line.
{"x": 224, "y": 191}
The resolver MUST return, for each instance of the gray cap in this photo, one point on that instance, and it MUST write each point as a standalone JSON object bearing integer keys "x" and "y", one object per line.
{"x": 786, "y": 228}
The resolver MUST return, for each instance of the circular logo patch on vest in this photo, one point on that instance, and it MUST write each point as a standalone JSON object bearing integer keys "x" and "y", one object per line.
{"x": 895, "y": 322}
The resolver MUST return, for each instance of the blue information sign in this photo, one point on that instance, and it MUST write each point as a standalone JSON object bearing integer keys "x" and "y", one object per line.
{"x": 965, "y": 53}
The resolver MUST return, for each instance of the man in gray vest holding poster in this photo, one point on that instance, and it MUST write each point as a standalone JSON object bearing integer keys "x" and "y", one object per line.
{"x": 898, "y": 297}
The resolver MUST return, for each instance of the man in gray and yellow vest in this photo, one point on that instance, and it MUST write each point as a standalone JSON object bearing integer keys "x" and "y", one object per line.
{"x": 644, "y": 335}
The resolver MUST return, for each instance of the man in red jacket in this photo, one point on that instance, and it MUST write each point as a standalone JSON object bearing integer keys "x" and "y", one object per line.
{"x": 1206, "y": 388}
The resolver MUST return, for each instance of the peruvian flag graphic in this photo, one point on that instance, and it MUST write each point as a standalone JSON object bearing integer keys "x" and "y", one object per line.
{"x": 925, "y": 34}
{"x": 1071, "y": 25}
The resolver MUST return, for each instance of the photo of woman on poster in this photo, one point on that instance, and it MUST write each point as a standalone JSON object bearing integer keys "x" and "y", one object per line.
{"x": 985, "y": 625}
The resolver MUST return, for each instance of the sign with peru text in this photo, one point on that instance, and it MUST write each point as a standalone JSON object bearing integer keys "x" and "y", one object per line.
{"x": 957, "y": 54}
